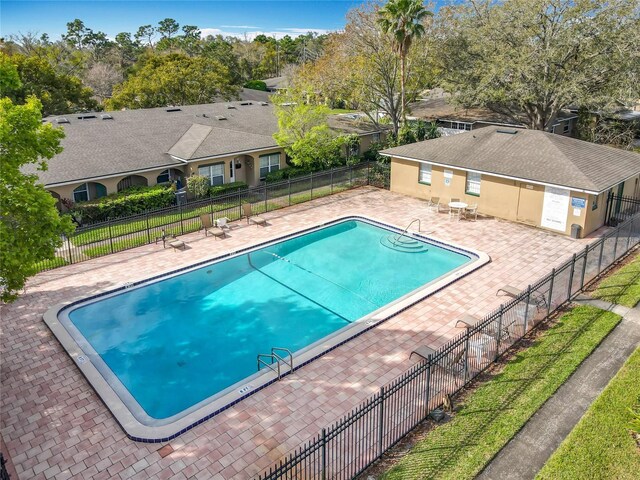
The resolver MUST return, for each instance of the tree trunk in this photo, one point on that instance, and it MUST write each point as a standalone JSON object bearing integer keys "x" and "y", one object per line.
{"x": 402, "y": 61}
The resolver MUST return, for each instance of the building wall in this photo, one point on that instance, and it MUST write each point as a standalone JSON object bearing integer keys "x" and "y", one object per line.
{"x": 503, "y": 198}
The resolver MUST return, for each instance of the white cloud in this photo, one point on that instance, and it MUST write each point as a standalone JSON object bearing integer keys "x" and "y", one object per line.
{"x": 239, "y": 26}
{"x": 226, "y": 31}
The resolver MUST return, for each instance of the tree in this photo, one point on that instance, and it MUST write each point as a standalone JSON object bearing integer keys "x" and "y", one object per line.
{"x": 304, "y": 133}
{"x": 58, "y": 93}
{"x": 403, "y": 20}
{"x": 9, "y": 78}
{"x": 529, "y": 59}
{"x": 174, "y": 79}
{"x": 102, "y": 78}
{"x": 145, "y": 33}
{"x": 30, "y": 226}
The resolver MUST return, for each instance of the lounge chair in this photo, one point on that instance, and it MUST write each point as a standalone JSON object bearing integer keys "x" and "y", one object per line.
{"x": 452, "y": 365}
{"x": 537, "y": 298}
{"x": 246, "y": 208}
{"x": 171, "y": 240}
{"x": 208, "y": 226}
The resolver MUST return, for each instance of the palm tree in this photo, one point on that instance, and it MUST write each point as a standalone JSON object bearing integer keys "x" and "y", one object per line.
{"x": 403, "y": 20}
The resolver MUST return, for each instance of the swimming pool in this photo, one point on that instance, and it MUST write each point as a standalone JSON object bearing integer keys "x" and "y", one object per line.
{"x": 176, "y": 349}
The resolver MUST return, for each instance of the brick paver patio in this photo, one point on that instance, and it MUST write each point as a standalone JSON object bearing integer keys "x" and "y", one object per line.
{"x": 55, "y": 426}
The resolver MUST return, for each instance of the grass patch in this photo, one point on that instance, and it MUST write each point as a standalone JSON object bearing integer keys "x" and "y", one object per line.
{"x": 623, "y": 287}
{"x": 55, "y": 262}
{"x": 601, "y": 444}
{"x": 491, "y": 415}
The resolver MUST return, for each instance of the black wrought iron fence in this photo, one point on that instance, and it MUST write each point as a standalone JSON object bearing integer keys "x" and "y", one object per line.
{"x": 346, "y": 448}
{"x": 132, "y": 231}
{"x": 619, "y": 208}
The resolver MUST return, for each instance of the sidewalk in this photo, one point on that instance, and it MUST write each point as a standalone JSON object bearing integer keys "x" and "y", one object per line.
{"x": 526, "y": 453}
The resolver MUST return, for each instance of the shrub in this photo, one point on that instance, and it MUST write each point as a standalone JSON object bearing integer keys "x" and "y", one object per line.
{"x": 286, "y": 173}
{"x": 128, "y": 202}
{"x": 198, "y": 185}
{"x": 256, "y": 85}
{"x": 227, "y": 188}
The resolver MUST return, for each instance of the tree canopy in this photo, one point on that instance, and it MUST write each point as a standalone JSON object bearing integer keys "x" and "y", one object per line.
{"x": 304, "y": 133}
{"x": 174, "y": 79}
{"x": 30, "y": 226}
{"x": 402, "y": 19}
{"x": 529, "y": 59}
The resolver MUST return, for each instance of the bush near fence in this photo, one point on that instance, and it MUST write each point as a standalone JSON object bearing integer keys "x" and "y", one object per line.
{"x": 128, "y": 202}
{"x": 353, "y": 443}
{"x": 115, "y": 235}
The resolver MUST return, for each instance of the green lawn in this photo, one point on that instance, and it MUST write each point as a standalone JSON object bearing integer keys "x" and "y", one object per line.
{"x": 494, "y": 413}
{"x": 601, "y": 445}
{"x": 623, "y": 287}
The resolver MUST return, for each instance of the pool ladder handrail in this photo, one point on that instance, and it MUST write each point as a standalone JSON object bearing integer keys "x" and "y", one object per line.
{"x": 404, "y": 232}
{"x": 277, "y": 359}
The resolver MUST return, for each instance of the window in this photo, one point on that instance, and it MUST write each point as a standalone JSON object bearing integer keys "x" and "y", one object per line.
{"x": 375, "y": 138}
{"x": 164, "y": 177}
{"x": 215, "y": 173}
{"x": 565, "y": 129}
{"x": 269, "y": 163}
{"x": 81, "y": 193}
{"x": 425, "y": 174}
{"x": 594, "y": 205}
{"x": 473, "y": 183}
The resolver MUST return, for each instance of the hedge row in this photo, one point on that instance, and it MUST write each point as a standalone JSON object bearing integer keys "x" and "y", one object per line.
{"x": 227, "y": 188}
{"x": 125, "y": 203}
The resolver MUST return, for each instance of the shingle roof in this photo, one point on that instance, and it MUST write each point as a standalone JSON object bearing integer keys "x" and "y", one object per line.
{"x": 135, "y": 140}
{"x": 528, "y": 155}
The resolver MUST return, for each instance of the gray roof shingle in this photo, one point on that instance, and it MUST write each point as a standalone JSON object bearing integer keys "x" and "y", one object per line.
{"x": 529, "y": 155}
{"x": 135, "y": 140}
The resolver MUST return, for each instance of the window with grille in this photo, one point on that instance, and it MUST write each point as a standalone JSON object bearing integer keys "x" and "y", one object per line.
{"x": 215, "y": 173}
{"x": 425, "y": 173}
{"x": 473, "y": 183}
{"x": 269, "y": 163}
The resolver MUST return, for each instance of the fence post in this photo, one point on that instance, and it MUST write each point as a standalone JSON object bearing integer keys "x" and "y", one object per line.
{"x": 69, "y": 249}
{"x": 240, "y": 204}
{"x": 324, "y": 454}
{"x": 381, "y": 422}
{"x": 289, "y": 192}
{"x": 311, "y": 185}
{"x": 428, "y": 386}
{"x": 110, "y": 235}
{"x": 526, "y": 310}
{"x": 181, "y": 223}
{"x": 266, "y": 194}
{"x": 148, "y": 229}
{"x": 466, "y": 356}
{"x": 629, "y": 235}
{"x": 615, "y": 245}
{"x": 332, "y": 180}
{"x": 602, "y": 240}
{"x": 350, "y": 177}
{"x": 608, "y": 208}
{"x": 584, "y": 266}
{"x": 553, "y": 277}
{"x": 369, "y": 173}
{"x": 211, "y": 202}
{"x": 499, "y": 333}
{"x": 573, "y": 268}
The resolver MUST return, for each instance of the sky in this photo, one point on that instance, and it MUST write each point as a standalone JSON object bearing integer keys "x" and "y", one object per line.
{"x": 226, "y": 17}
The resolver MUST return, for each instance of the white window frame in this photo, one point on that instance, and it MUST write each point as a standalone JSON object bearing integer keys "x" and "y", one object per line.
{"x": 472, "y": 186}
{"x": 166, "y": 172}
{"x": 86, "y": 190}
{"x": 272, "y": 164}
{"x": 424, "y": 173}
{"x": 207, "y": 171}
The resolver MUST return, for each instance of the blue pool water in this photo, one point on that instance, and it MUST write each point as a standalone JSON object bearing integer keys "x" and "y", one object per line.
{"x": 178, "y": 341}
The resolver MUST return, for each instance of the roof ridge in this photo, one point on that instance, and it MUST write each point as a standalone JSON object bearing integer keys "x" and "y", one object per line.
{"x": 554, "y": 140}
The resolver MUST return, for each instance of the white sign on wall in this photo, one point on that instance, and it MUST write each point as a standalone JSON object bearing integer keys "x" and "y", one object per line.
{"x": 448, "y": 175}
{"x": 554, "y": 208}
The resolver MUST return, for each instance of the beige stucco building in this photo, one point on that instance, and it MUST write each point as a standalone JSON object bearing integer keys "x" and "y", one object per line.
{"x": 538, "y": 178}
{"x": 104, "y": 153}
